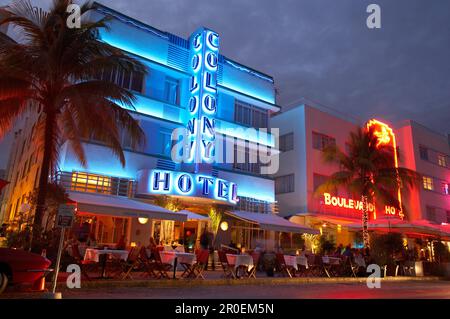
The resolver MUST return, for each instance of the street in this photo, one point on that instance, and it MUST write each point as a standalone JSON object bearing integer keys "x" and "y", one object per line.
{"x": 388, "y": 290}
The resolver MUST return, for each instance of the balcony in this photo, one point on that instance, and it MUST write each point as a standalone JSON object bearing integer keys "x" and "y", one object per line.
{"x": 93, "y": 183}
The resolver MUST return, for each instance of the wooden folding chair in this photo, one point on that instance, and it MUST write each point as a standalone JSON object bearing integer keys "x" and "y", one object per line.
{"x": 228, "y": 271}
{"x": 201, "y": 264}
{"x": 84, "y": 265}
{"x": 315, "y": 265}
{"x": 284, "y": 269}
{"x": 148, "y": 265}
{"x": 160, "y": 267}
{"x": 130, "y": 264}
{"x": 252, "y": 272}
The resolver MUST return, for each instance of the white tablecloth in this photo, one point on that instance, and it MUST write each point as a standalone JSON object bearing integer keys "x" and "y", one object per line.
{"x": 331, "y": 260}
{"x": 240, "y": 260}
{"x": 93, "y": 254}
{"x": 168, "y": 257}
{"x": 294, "y": 261}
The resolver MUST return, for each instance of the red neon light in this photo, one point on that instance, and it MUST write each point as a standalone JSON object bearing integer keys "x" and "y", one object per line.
{"x": 385, "y": 135}
{"x": 348, "y": 203}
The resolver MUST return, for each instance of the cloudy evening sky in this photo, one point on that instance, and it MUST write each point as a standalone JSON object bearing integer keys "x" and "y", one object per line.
{"x": 323, "y": 51}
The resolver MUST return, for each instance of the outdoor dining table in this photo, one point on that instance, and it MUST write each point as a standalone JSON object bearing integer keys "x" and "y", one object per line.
{"x": 295, "y": 261}
{"x": 329, "y": 263}
{"x": 240, "y": 261}
{"x": 177, "y": 257}
{"x": 101, "y": 256}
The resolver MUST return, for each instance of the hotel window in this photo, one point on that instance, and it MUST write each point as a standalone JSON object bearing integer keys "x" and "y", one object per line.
{"x": 444, "y": 188}
{"x": 285, "y": 184}
{"x": 250, "y": 115}
{"x": 91, "y": 183}
{"x": 319, "y": 180}
{"x": 442, "y": 160}
{"x": 246, "y": 159}
{"x": 321, "y": 141}
{"x": 133, "y": 81}
{"x": 252, "y": 205}
{"x": 423, "y": 151}
{"x": 431, "y": 213}
{"x": 428, "y": 183}
{"x": 171, "y": 90}
{"x": 165, "y": 146}
{"x": 287, "y": 142}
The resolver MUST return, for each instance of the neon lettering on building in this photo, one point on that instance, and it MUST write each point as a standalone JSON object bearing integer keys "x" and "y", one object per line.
{"x": 348, "y": 203}
{"x": 386, "y": 136}
{"x": 163, "y": 182}
{"x": 201, "y": 125}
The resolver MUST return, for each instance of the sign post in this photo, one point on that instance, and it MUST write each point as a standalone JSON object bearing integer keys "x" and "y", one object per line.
{"x": 64, "y": 220}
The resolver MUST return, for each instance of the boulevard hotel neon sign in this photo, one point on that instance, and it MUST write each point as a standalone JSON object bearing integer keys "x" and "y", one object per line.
{"x": 348, "y": 203}
{"x": 201, "y": 126}
{"x": 385, "y": 136}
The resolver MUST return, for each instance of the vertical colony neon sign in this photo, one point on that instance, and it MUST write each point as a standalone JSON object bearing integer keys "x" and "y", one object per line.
{"x": 201, "y": 126}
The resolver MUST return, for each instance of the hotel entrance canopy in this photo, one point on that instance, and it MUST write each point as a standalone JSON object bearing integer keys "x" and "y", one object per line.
{"x": 121, "y": 206}
{"x": 272, "y": 222}
{"x": 194, "y": 216}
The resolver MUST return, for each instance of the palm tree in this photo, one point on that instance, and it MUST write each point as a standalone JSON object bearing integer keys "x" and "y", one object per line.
{"x": 54, "y": 72}
{"x": 368, "y": 170}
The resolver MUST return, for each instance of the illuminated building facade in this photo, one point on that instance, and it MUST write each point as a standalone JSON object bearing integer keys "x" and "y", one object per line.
{"x": 189, "y": 85}
{"x": 428, "y": 153}
{"x": 306, "y": 130}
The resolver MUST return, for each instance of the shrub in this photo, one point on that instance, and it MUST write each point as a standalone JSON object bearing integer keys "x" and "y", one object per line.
{"x": 384, "y": 247}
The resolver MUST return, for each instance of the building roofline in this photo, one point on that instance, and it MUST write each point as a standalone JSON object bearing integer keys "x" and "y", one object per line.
{"x": 100, "y": 7}
{"x": 410, "y": 122}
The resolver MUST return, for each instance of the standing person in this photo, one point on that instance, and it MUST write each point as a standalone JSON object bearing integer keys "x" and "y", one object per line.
{"x": 204, "y": 240}
{"x": 152, "y": 244}
{"x": 338, "y": 251}
{"x": 91, "y": 241}
{"x": 347, "y": 251}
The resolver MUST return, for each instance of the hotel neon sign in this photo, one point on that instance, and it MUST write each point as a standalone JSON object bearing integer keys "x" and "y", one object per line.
{"x": 201, "y": 126}
{"x": 348, "y": 203}
{"x": 163, "y": 182}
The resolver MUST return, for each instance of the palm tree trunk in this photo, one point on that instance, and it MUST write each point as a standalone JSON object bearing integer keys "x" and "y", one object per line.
{"x": 365, "y": 220}
{"x": 50, "y": 123}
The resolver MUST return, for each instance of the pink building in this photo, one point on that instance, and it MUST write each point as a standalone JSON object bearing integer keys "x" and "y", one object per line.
{"x": 305, "y": 131}
{"x": 428, "y": 153}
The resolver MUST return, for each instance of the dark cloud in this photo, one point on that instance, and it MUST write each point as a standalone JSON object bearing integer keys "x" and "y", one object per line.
{"x": 323, "y": 51}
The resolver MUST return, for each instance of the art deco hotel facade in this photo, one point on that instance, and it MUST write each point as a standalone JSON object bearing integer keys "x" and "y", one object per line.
{"x": 190, "y": 85}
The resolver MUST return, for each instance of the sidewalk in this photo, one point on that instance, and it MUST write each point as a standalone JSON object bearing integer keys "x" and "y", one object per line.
{"x": 214, "y": 278}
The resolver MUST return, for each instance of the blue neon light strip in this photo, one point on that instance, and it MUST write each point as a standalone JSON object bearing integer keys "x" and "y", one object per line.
{"x": 244, "y": 69}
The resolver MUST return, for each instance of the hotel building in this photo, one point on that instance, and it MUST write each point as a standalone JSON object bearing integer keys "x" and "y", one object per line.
{"x": 188, "y": 84}
{"x": 428, "y": 153}
{"x": 306, "y": 130}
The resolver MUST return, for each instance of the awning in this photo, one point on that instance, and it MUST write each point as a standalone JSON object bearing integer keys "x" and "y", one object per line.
{"x": 194, "y": 216}
{"x": 121, "y": 206}
{"x": 272, "y": 222}
{"x": 422, "y": 227}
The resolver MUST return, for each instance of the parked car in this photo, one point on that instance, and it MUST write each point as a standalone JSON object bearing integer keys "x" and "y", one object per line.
{"x": 21, "y": 267}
